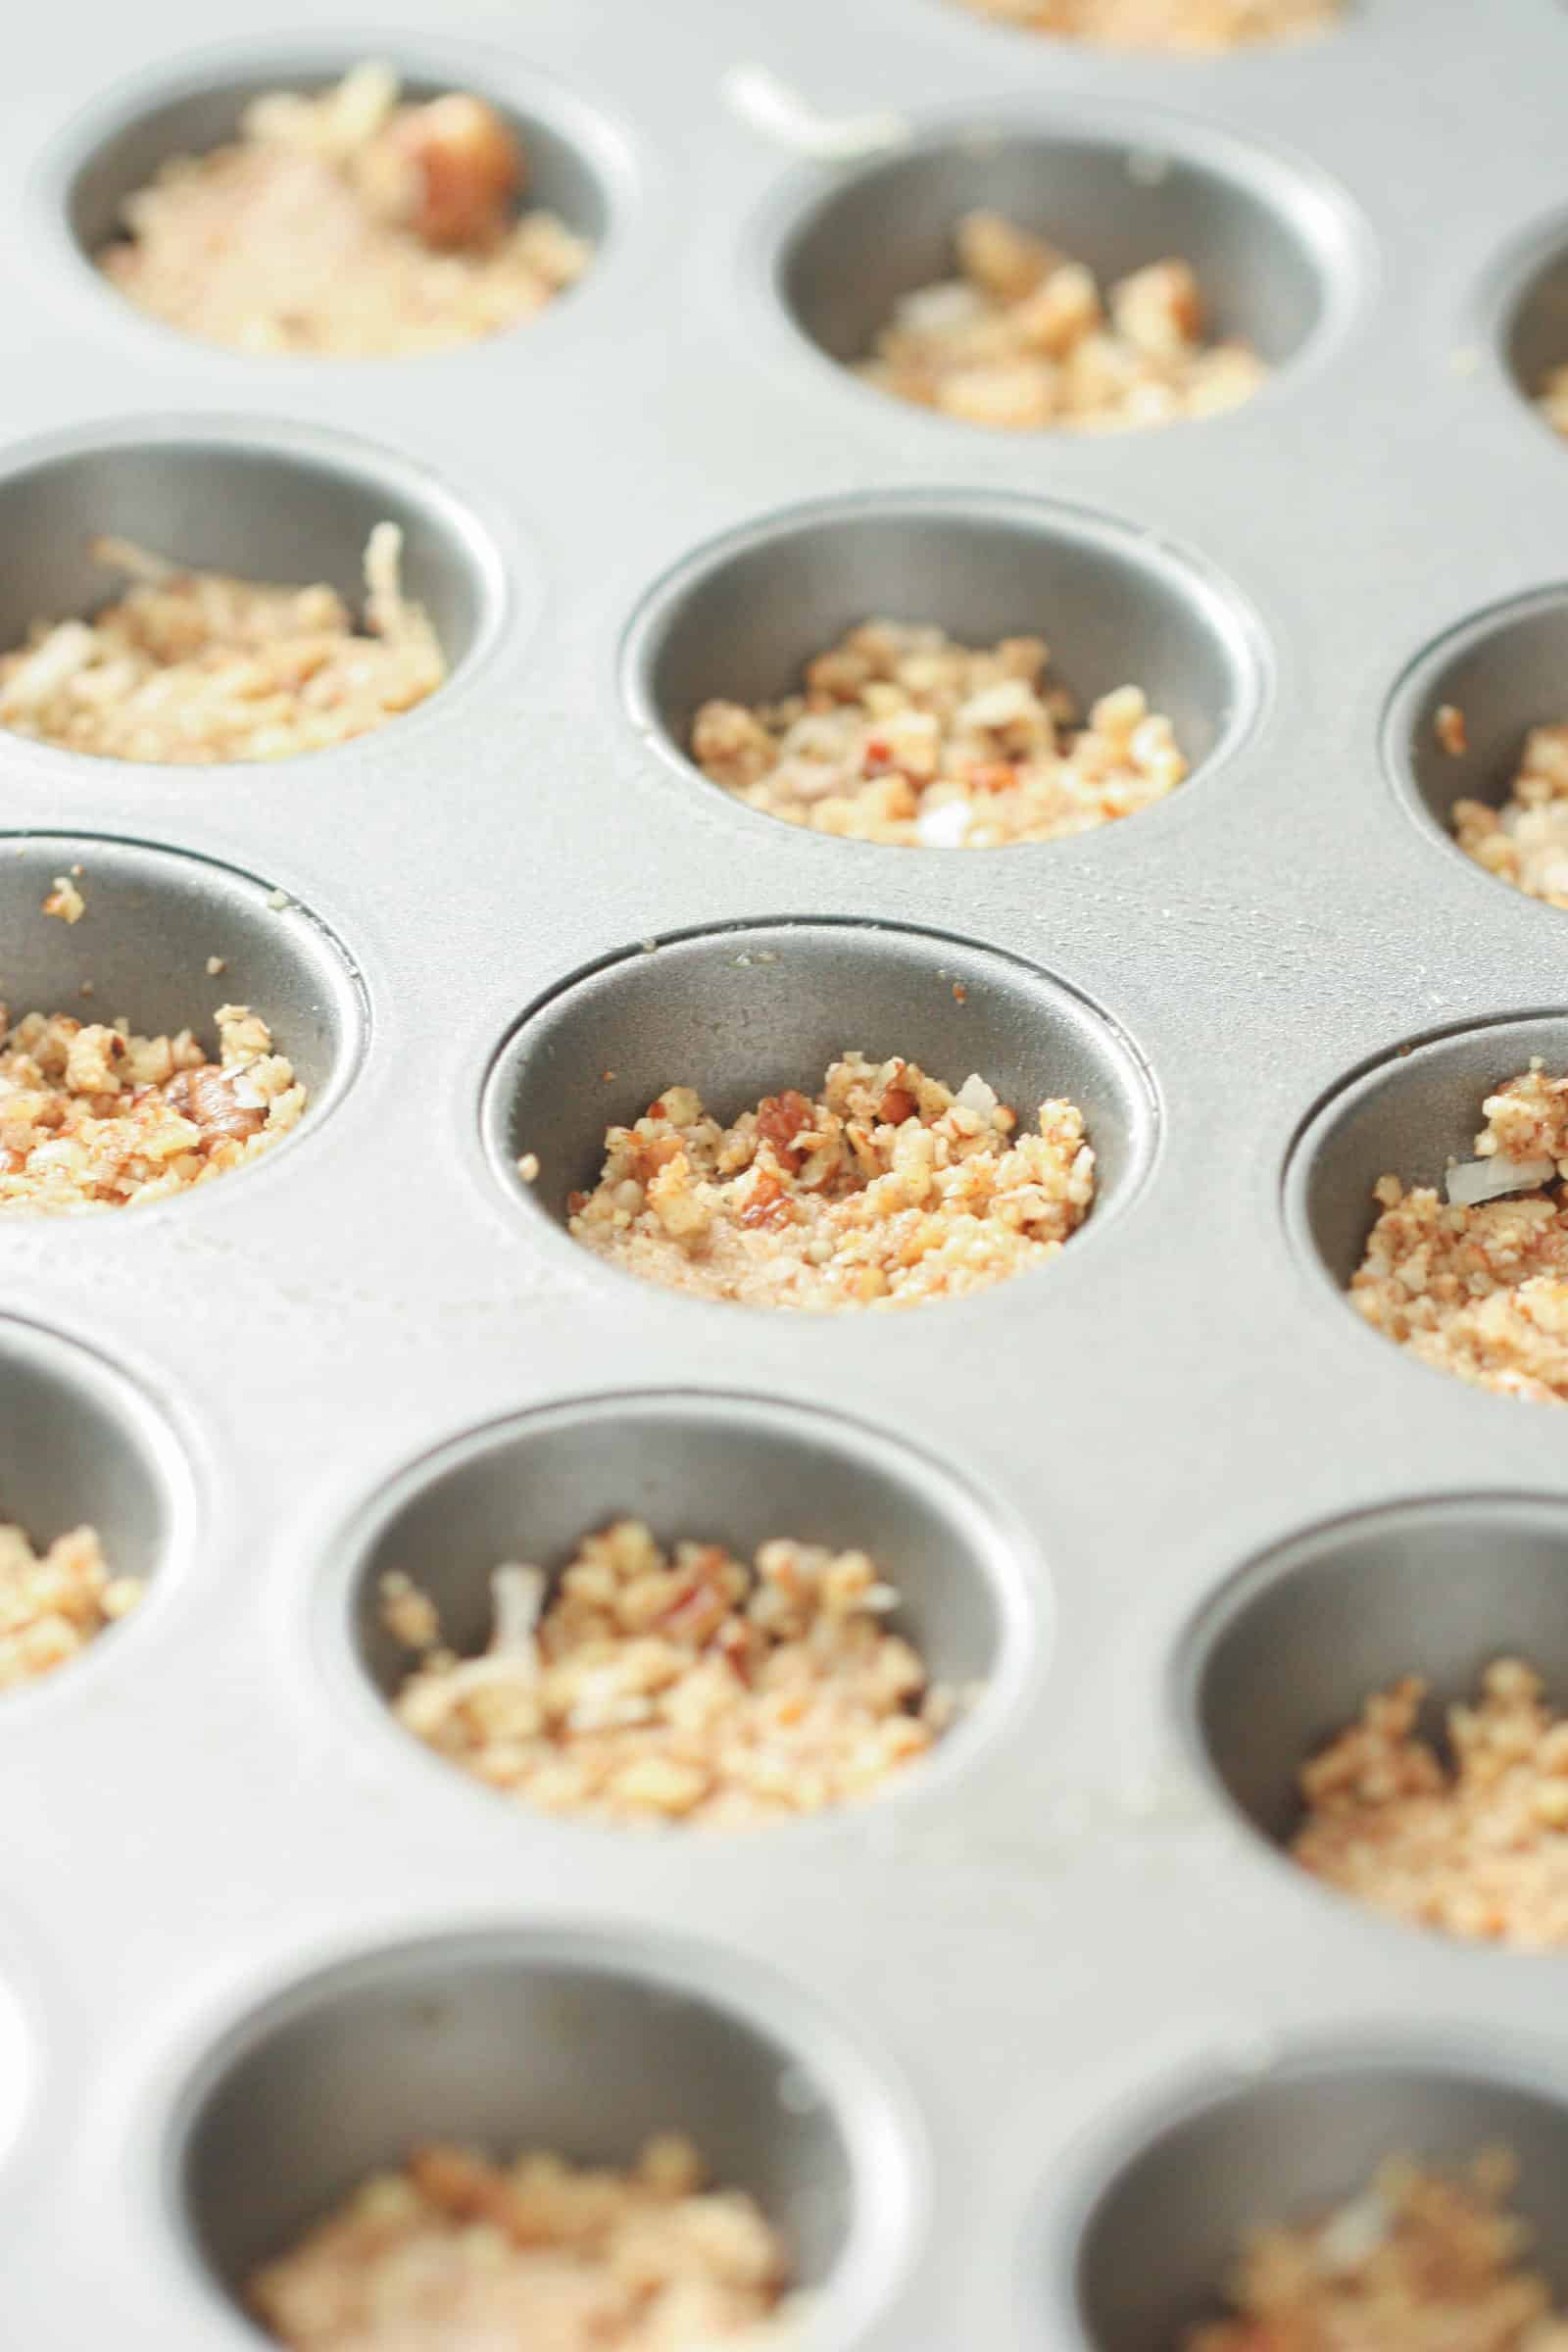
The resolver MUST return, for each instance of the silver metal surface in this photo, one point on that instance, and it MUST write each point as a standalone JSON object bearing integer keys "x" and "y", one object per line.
{"x": 251, "y": 1936}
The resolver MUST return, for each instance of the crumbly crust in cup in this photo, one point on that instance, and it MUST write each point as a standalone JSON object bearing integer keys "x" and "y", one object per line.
{"x": 1473, "y": 1841}
{"x": 902, "y": 735}
{"x": 1481, "y": 1290}
{"x": 54, "y": 1602}
{"x": 682, "y": 1685}
{"x": 1024, "y": 339}
{"x": 346, "y": 223}
{"x": 886, "y": 1189}
{"x": 196, "y": 665}
{"x": 1525, "y": 839}
{"x": 94, "y": 1117}
{"x": 1421, "y": 2261}
{"x": 1165, "y": 24}
{"x": 457, "y": 2250}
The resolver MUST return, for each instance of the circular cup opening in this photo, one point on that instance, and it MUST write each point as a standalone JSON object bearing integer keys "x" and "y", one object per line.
{"x": 154, "y": 920}
{"x": 1285, "y": 1658}
{"x": 744, "y": 1011}
{"x": 738, "y": 1471}
{"x": 1504, "y": 672}
{"x": 119, "y": 145}
{"x": 82, "y": 1446}
{"x": 1164, "y": 2233}
{"x": 507, "y": 2041}
{"x": 264, "y": 502}
{"x": 1270, "y": 242}
{"x": 741, "y": 619}
{"x": 1407, "y": 1117}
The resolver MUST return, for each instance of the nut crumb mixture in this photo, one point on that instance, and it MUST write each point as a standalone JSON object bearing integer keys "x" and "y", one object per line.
{"x": 194, "y": 665}
{"x": 676, "y": 1685}
{"x": 1525, "y": 841}
{"x": 902, "y": 735}
{"x": 456, "y": 2253}
{"x": 54, "y": 1602}
{"x": 886, "y": 1189}
{"x": 1165, "y": 24}
{"x": 1476, "y": 1843}
{"x": 92, "y": 1117}
{"x": 1419, "y": 2262}
{"x": 1023, "y": 339}
{"x": 346, "y": 223}
{"x": 1479, "y": 1288}
{"x": 1552, "y": 397}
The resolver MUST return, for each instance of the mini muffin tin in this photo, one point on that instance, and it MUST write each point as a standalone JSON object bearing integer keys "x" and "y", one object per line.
{"x": 1013, "y": 2054}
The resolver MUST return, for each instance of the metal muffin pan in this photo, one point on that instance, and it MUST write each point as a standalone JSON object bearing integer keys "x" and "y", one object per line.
{"x": 1014, "y": 2051}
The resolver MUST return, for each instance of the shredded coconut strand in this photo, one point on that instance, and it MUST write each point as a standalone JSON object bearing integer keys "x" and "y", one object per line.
{"x": 777, "y": 111}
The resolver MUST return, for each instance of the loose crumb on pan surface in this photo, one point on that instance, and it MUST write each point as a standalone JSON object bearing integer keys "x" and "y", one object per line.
{"x": 886, "y": 1189}
{"x": 1525, "y": 840}
{"x": 92, "y": 1117}
{"x": 1421, "y": 2261}
{"x": 1165, "y": 24}
{"x": 455, "y": 2251}
{"x": 197, "y": 666}
{"x": 1473, "y": 1840}
{"x": 1023, "y": 339}
{"x": 1481, "y": 1288}
{"x": 54, "y": 1602}
{"x": 347, "y": 223}
{"x": 902, "y": 735}
{"x": 676, "y": 1685}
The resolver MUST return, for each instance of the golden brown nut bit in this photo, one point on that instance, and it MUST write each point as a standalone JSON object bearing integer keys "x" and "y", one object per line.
{"x": 456, "y": 168}
{"x": 1418, "y": 2262}
{"x": 455, "y": 2249}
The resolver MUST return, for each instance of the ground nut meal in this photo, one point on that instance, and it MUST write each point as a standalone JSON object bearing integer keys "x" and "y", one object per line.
{"x": 92, "y": 1117}
{"x": 1475, "y": 1842}
{"x": 54, "y": 1602}
{"x": 457, "y": 2253}
{"x": 1421, "y": 2261}
{"x": 678, "y": 1686}
{"x": 884, "y": 1190}
{"x": 193, "y": 666}
{"x": 1478, "y": 1284}
{"x": 1525, "y": 840}
{"x": 902, "y": 735}
{"x": 347, "y": 224}
{"x": 1023, "y": 338}
{"x": 1165, "y": 24}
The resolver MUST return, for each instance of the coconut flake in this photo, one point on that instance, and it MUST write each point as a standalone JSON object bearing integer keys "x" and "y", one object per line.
{"x": 771, "y": 106}
{"x": 517, "y": 1595}
{"x": 945, "y": 826}
{"x": 974, "y": 1094}
{"x": 1470, "y": 1181}
{"x": 1354, "y": 2235}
